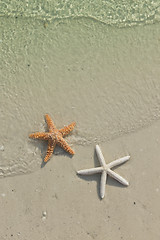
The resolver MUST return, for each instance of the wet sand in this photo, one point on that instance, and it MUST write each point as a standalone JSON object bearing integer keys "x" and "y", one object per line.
{"x": 54, "y": 202}
{"x": 107, "y": 80}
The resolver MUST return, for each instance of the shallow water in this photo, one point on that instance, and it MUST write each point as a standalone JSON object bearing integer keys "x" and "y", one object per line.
{"x": 118, "y": 13}
{"x": 104, "y": 78}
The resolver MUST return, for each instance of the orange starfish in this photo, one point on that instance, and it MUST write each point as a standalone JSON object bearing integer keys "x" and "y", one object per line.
{"x": 54, "y": 136}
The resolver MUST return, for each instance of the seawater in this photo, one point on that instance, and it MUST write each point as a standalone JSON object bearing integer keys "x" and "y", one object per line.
{"x": 119, "y": 13}
{"x": 78, "y": 62}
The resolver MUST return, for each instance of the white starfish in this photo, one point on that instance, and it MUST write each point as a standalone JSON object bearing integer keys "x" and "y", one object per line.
{"x": 105, "y": 170}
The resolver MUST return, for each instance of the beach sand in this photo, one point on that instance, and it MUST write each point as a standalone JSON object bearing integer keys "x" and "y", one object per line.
{"x": 107, "y": 80}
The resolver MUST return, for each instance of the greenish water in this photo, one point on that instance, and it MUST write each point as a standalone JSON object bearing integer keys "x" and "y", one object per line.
{"x": 119, "y": 13}
{"x": 66, "y": 60}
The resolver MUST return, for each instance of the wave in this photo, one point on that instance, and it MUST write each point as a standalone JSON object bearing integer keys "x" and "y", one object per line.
{"x": 118, "y": 13}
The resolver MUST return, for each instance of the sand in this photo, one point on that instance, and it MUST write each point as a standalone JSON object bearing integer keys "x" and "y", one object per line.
{"x": 107, "y": 80}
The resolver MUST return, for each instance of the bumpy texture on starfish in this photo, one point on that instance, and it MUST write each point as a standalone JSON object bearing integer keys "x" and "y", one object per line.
{"x": 54, "y": 136}
{"x": 105, "y": 170}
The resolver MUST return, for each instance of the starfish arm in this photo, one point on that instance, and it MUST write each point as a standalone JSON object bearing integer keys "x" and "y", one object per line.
{"x": 62, "y": 143}
{"x": 50, "y": 123}
{"x": 100, "y": 156}
{"x": 90, "y": 171}
{"x": 66, "y": 130}
{"x": 103, "y": 183}
{"x": 117, "y": 177}
{"x": 40, "y": 135}
{"x": 118, "y": 161}
{"x": 51, "y": 146}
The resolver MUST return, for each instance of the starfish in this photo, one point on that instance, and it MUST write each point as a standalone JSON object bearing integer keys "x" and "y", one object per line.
{"x": 105, "y": 170}
{"x": 54, "y": 136}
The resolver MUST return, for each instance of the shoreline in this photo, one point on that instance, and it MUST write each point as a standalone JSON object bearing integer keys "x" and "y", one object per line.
{"x": 107, "y": 81}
